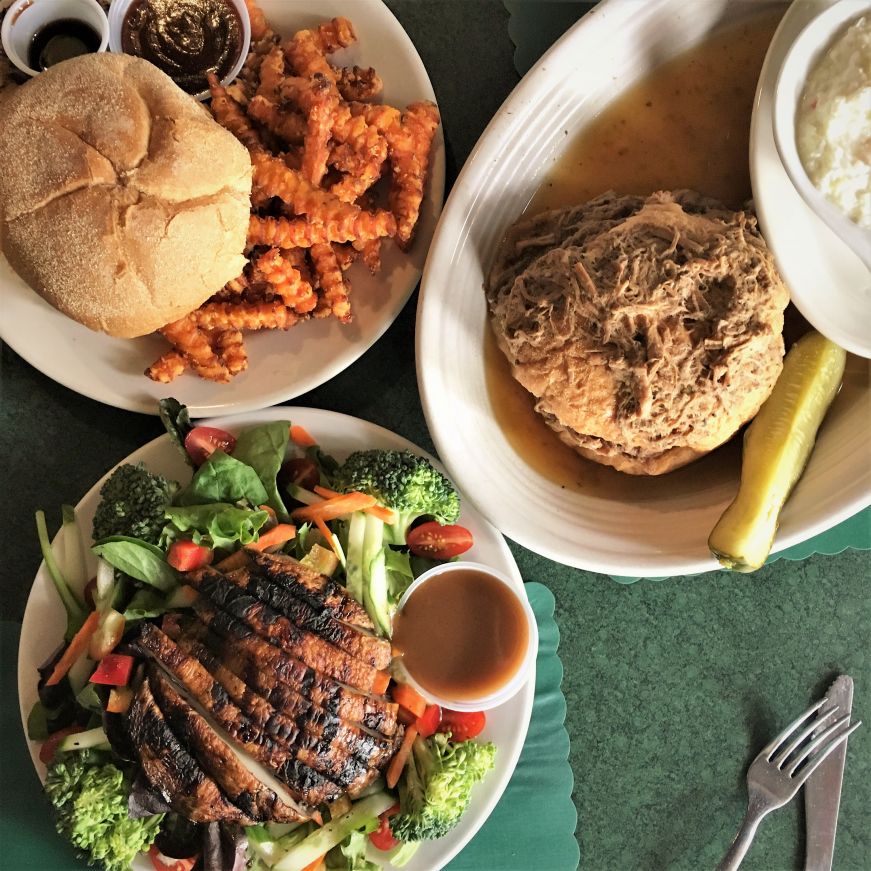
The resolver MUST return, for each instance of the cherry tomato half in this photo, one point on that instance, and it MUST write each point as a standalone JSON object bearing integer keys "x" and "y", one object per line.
{"x": 201, "y": 441}
{"x": 166, "y": 863}
{"x": 185, "y": 556}
{"x": 439, "y": 542}
{"x": 300, "y": 471}
{"x": 382, "y": 838}
{"x": 49, "y": 746}
{"x": 462, "y": 725}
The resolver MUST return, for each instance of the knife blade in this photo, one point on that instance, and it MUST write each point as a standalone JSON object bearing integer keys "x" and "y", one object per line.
{"x": 822, "y": 792}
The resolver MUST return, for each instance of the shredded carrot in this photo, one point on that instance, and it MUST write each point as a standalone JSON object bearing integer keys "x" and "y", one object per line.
{"x": 409, "y": 698}
{"x": 405, "y": 716}
{"x": 299, "y": 435}
{"x": 380, "y": 683}
{"x": 379, "y": 511}
{"x": 277, "y": 535}
{"x": 398, "y": 762}
{"x": 338, "y": 506}
{"x": 316, "y": 865}
{"x": 76, "y": 648}
{"x": 325, "y": 532}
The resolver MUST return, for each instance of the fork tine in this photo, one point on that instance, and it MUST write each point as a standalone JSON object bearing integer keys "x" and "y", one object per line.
{"x": 828, "y": 735}
{"x": 780, "y": 757}
{"x": 768, "y": 749}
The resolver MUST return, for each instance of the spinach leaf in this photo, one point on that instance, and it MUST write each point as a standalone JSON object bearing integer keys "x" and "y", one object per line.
{"x": 224, "y": 524}
{"x": 89, "y": 699}
{"x": 143, "y": 561}
{"x": 177, "y": 422}
{"x": 263, "y": 448}
{"x": 223, "y": 478}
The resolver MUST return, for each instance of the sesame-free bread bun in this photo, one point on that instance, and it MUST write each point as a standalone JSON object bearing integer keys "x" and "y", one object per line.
{"x": 122, "y": 202}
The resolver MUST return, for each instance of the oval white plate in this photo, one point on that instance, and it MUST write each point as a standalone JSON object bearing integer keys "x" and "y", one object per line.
{"x": 281, "y": 364}
{"x": 614, "y": 45}
{"x": 828, "y": 282}
{"x": 44, "y": 621}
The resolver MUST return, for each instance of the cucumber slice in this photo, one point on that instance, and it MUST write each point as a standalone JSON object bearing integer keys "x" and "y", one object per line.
{"x": 92, "y": 739}
{"x": 777, "y": 446}
{"x": 363, "y": 813}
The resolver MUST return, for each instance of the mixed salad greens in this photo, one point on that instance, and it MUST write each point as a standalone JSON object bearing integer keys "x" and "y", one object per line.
{"x": 373, "y": 523}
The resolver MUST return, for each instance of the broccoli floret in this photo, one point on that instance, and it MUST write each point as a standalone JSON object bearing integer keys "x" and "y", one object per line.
{"x": 133, "y": 502}
{"x": 403, "y": 481}
{"x": 91, "y": 804}
{"x": 437, "y": 786}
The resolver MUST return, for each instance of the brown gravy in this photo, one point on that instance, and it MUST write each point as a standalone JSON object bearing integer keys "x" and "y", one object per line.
{"x": 462, "y": 634}
{"x": 685, "y": 125}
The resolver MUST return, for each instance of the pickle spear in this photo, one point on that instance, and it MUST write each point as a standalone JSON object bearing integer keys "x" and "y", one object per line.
{"x": 777, "y": 446}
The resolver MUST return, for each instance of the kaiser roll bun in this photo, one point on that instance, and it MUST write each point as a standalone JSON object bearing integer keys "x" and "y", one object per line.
{"x": 122, "y": 202}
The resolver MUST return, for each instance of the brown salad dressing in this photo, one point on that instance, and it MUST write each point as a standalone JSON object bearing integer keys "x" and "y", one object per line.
{"x": 184, "y": 38}
{"x": 686, "y": 125}
{"x": 462, "y": 635}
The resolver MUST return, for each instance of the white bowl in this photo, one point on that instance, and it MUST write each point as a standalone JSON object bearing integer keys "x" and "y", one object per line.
{"x": 524, "y": 670}
{"x": 806, "y": 51}
{"x": 25, "y": 18}
{"x": 659, "y": 528}
{"x": 118, "y": 12}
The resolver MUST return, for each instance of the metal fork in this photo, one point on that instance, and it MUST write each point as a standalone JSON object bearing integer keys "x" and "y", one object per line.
{"x": 781, "y": 769}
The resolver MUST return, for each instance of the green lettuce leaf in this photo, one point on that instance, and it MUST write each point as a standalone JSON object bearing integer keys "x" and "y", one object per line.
{"x": 223, "y": 524}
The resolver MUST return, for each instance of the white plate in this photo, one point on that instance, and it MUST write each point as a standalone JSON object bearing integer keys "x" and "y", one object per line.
{"x": 665, "y": 532}
{"x": 44, "y": 620}
{"x": 281, "y": 364}
{"x": 827, "y": 281}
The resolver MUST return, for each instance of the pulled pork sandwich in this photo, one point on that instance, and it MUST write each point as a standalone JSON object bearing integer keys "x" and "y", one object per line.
{"x": 647, "y": 328}
{"x": 122, "y": 202}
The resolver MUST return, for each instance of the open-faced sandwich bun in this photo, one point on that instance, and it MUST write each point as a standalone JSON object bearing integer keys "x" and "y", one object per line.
{"x": 122, "y": 202}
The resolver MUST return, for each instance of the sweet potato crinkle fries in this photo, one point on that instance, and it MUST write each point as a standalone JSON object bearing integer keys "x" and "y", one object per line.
{"x": 319, "y": 150}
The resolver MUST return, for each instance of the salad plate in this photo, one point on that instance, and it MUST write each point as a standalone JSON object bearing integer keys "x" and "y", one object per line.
{"x": 282, "y": 365}
{"x": 656, "y": 526}
{"x": 339, "y": 434}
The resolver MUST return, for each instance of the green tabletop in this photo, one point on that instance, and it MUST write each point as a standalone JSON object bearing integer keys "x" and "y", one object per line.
{"x": 672, "y": 687}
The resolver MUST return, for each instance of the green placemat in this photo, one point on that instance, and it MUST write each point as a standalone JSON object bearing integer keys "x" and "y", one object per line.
{"x": 532, "y": 827}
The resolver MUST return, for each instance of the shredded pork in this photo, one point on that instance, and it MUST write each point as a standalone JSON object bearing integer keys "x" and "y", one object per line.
{"x": 648, "y": 329}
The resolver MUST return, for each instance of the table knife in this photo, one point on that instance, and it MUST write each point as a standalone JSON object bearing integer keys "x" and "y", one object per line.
{"x": 822, "y": 792}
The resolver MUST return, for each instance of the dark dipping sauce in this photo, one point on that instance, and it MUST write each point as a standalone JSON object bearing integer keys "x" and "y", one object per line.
{"x": 185, "y": 38}
{"x": 462, "y": 635}
{"x": 61, "y": 40}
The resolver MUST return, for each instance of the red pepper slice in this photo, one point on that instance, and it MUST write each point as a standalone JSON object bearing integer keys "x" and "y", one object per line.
{"x": 185, "y": 556}
{"x": 114, "y": 670}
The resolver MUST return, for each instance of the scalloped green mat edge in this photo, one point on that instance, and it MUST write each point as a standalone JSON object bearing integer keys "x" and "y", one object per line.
{"x": 523, "y": 833}
{"x": 533, "y": 826}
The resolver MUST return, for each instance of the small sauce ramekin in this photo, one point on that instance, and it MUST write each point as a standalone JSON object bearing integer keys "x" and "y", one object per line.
{"x": 526, "y": 664}
{"x": 25, "y": 18}
{"x": 118, "y": 13}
